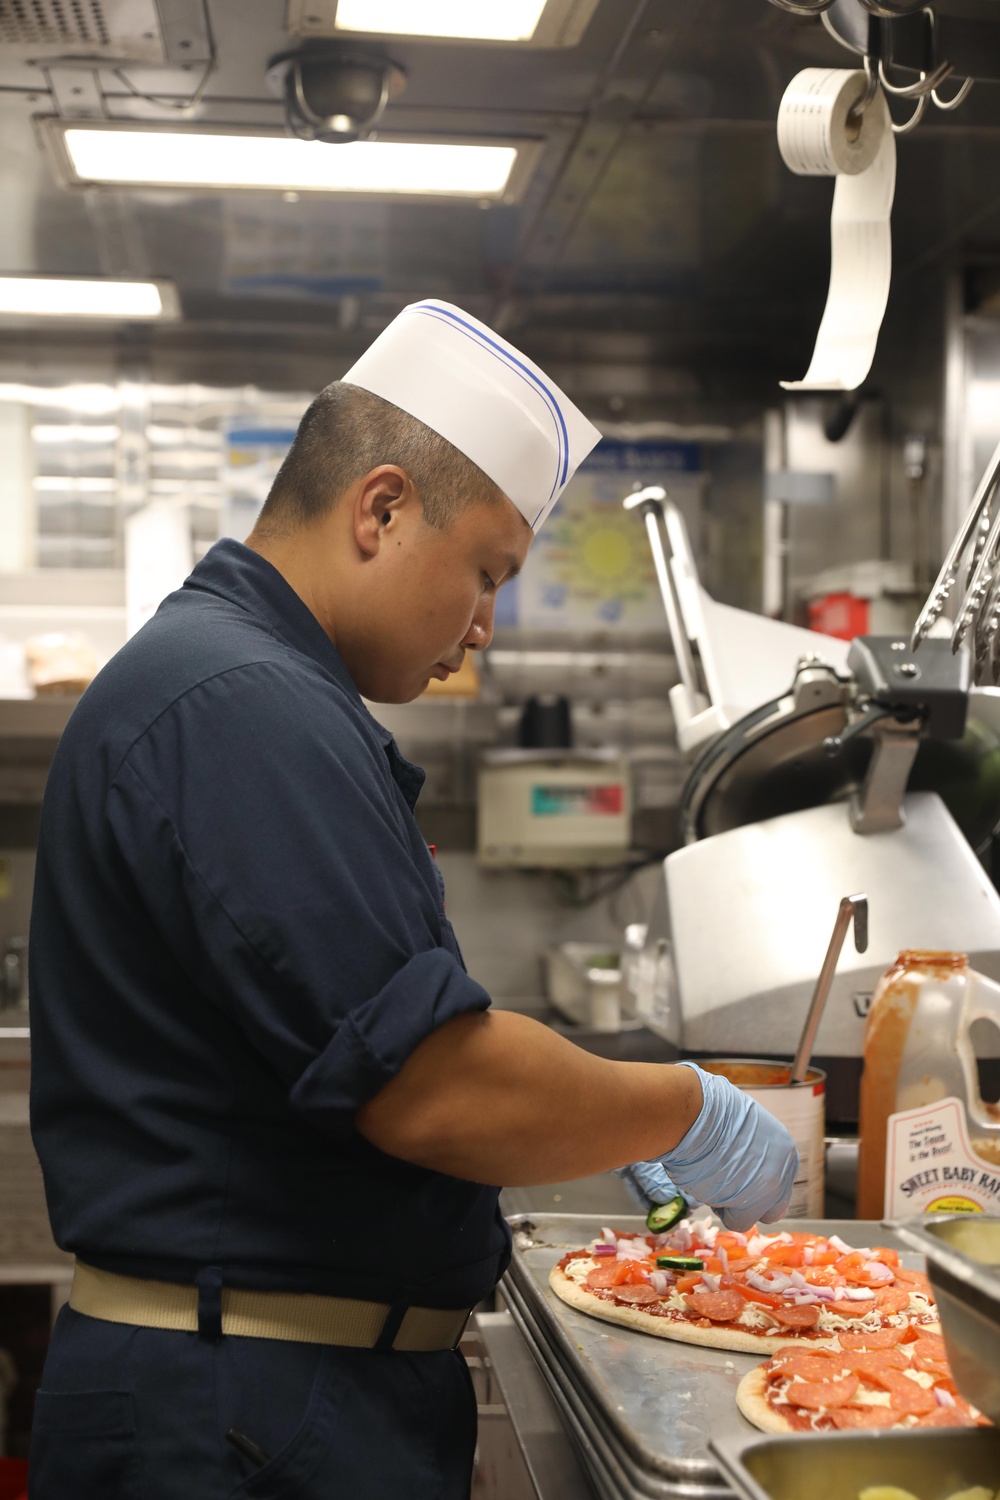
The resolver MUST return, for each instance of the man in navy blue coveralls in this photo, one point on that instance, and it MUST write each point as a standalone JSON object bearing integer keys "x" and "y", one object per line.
{"x": 258, "y": 1061}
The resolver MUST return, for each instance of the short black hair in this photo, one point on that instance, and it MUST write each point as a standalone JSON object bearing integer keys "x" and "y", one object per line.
{"x": 347, "y": 432}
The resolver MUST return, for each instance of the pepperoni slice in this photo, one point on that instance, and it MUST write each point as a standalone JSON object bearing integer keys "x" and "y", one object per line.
{"x": 876, "y": 1338}
{"x": 603, "y": 1277}
{"x": 892, "y": 1299}
{"x": 905, "y": 1395}
{"x": 796, "y": 1317}
{"x": 849, "y": 1309}
{"x": 931, "y": 1346}
{"x": 636, "y": 1295}
{"x": 721, "y": 1307}
{"x": 810, "y": 1367}
{"x": 864, "y": 1416}
{"x": 946, "y": 1416}
{"x": 870, "y": 1362}
{"x": 815, "y": 1394}
{"x": 916, "y": 1279}
{"x": 936, "y": 1367}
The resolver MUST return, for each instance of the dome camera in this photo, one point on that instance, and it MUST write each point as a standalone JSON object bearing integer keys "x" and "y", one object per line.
{"x": 334, "y": 95}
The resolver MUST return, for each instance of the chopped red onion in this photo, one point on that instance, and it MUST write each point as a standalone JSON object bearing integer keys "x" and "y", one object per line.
{"x": 879, "y": 1271}
{"x": 604, "y": 1250}
{"x": 712, "y": 1282}
{"x": 943, "y": 1397}
{"x": 802, "y": 1299}
{"x": 658, "y": 1281}
{"x": 723, "y": 1255}
{"x": 776, "y": 1282}
{"x": 838, "y": 1244}
{"x": 807, "y": 1254}
{"x": 797, "y": 1279}
{"x": 857, "y": 1293}
{"x": 609, "y": 1237}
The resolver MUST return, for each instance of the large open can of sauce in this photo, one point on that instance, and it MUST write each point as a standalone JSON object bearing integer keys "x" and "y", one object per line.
{"x": 801, "y": 1108}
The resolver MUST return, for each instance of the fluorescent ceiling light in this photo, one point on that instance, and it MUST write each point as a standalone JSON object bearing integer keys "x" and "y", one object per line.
{"x": 198, "y": 159}
{"x": 79, "y": 297}
{"x": 479, "y": 20}
{"x": 75, "y": 432}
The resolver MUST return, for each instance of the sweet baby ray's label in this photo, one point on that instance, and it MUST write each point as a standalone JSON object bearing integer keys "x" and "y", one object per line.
{"x": 931, "y": 1167}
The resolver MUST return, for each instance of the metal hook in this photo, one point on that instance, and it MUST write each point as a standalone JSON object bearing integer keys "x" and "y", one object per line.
{"x": 925, "y": 85}
{"x": 959, "y": 98}
{"x": 914, "y": 119}
{"x": 860, "y": 104}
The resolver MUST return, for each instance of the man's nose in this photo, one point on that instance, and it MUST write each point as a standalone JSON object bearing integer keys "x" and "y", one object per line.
{"x": 480, "y": 631}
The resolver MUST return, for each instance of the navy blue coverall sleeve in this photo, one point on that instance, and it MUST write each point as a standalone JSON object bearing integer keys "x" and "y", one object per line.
{"x": 275, "y": 852}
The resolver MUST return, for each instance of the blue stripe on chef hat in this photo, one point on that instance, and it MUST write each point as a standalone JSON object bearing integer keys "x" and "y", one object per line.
{"x": 434, "y": 309}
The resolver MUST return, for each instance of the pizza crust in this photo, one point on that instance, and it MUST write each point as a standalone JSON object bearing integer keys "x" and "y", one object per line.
{"x": 683, "y": 1333}
{"x": 751, "y": 1398}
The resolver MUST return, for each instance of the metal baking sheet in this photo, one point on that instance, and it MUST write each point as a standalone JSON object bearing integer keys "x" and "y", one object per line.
{"x": 652, "y": 1406}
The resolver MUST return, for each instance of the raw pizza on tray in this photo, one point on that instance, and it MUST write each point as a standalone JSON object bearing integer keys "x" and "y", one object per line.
{"x": 885, "y": 1379}
{"x": 755, "y": 1293}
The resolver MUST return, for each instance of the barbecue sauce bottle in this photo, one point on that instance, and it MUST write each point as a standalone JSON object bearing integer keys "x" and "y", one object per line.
{"x": 929, "y": 1143}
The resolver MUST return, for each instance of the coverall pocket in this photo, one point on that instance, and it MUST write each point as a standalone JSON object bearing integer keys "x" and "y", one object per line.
{"x": 83, "y": 1444}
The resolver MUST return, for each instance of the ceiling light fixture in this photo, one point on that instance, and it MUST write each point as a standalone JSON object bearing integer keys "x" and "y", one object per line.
{"x": 85, "y": 297}
{"x": 501, "y": 20}
{"x": 533, "y": 23}
{"x": 222, "y": 160}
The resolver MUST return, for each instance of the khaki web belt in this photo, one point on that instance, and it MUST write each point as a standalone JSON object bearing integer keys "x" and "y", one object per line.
{"x": 297, "y": 1317}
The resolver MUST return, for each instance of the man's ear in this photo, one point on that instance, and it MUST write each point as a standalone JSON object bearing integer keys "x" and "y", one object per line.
{"x": 379, "y": 500}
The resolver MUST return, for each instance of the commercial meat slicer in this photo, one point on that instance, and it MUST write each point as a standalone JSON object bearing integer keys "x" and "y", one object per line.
{"x": 818, "y": 768}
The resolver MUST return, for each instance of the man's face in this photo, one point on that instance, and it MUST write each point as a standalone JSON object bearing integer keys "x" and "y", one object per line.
{"x": 431, "y": 597}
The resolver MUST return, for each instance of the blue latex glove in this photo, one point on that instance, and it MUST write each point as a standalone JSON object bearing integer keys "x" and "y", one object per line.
{"x": 736, "y": 1157}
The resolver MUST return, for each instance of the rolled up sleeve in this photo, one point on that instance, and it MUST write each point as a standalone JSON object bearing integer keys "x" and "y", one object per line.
{"x": 276, "y": 855}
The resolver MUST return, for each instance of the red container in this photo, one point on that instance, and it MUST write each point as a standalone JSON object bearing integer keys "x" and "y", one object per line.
{"x": 13, "y": 1479}
{"x": 840, "y": 615}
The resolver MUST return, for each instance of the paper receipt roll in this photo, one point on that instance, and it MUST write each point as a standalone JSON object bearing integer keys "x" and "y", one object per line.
{"x": 817, "y": 137}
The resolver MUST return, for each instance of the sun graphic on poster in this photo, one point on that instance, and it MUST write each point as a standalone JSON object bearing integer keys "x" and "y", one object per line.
{"x": 598, "y": 557}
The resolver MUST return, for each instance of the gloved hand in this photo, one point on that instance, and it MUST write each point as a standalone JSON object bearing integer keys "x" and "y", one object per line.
{"x": 736, "y": 1157}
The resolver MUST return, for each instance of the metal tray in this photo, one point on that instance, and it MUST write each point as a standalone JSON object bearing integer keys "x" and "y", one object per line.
{"x": 963, "y": 1261}
{"x": 932, "y": 1465}
{"x": 616, "y": 1475}
{"x": 649, "y": 1407}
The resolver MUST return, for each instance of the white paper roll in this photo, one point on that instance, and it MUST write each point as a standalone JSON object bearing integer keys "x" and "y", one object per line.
{"x": 814, "y": 136}
{"x": 816, "y": 139}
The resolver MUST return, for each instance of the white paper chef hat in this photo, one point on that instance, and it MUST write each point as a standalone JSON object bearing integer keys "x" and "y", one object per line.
{"x": 462, "y": 380}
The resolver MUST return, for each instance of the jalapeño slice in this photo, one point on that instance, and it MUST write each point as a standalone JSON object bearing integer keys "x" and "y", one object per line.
{"x": 665, "y": 1215}
{"x": 679, "y": 1263}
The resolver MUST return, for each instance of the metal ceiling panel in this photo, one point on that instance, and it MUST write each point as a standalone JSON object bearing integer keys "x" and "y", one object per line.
{"x": 112, "y": 30}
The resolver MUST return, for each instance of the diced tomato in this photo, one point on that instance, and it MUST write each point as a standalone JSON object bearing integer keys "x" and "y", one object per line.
{"x": 853, "y": 1267}
{"x": 767, "y": 1299}
{"x": 689, "y": 1282}
{"x": 826, "y": 1257}
{"x": 785, "y": 1255}
{"x": 636, "y": 1273}
{"x": 885, "y": 1255}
